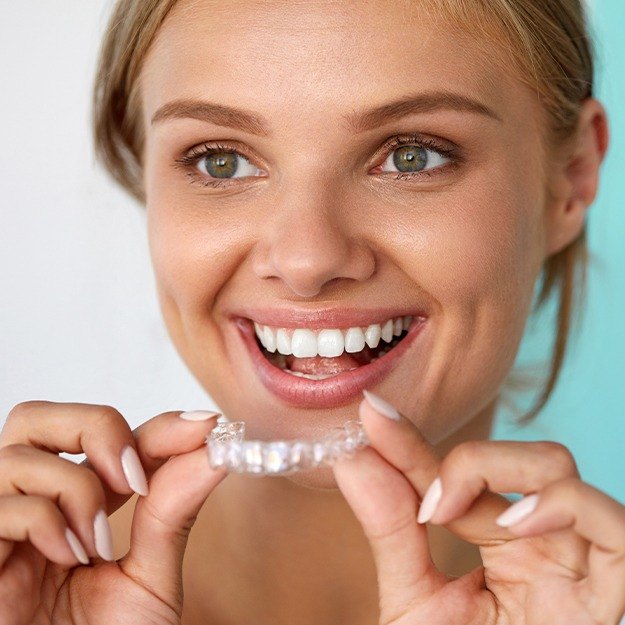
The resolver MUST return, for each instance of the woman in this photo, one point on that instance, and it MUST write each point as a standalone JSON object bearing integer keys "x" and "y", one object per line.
{"x": 311, "y": 171}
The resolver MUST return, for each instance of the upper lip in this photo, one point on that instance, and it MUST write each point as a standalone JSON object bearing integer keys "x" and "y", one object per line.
{"x": 326, "y": 317}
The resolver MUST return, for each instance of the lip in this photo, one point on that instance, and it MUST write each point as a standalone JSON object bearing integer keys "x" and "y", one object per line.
{"x": 331, "y": 392}
{"x": 318, "y": 319}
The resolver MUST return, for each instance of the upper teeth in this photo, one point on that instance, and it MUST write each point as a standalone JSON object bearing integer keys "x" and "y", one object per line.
{"x": 305, "y": 343}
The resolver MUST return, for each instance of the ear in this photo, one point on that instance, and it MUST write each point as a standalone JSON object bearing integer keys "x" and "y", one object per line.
{"x": 577, "y": 178}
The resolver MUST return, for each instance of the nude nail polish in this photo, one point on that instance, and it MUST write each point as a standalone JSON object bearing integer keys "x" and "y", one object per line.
{"x": 76, "y": 546}
{"x": 430, "y": 501}
{"x": 103, "y": 536}
{"x": 381, "y": 406}
{"x": 518, "y": 511}
{"x": 135, "y": 475}
{"x": 199, "y": 415}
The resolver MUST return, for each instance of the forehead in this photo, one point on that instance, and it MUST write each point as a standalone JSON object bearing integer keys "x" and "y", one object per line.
{"x": 318, "y": 58}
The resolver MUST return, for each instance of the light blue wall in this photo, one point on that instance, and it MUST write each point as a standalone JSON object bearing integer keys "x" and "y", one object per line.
{"x": 587, "y": 411}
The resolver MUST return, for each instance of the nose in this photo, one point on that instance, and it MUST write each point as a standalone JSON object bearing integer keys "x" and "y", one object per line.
{"x": 310, "y": 241}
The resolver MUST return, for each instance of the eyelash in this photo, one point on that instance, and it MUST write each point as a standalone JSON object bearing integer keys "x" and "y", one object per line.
{"x": 188, "y": 162}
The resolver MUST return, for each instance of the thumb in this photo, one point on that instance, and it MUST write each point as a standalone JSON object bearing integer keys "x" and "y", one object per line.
{"x": 162, "y": 522}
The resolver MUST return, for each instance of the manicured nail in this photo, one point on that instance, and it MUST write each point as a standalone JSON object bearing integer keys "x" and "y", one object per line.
{"x": 518, "y": 511}
{"x": 430, "y": 500}
{"x": 381, "y": 406}
{"x": 103, "y": 536}
{"x": 135, "y": 475}
{"x": 76, "y": 547}
{"x": 199, "y": 415}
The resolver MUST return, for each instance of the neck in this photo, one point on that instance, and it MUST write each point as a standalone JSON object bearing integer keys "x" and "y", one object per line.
{"x": 282, "y": 552}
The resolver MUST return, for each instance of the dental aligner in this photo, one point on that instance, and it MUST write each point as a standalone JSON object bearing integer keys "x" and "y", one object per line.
{"x": 228, "y": 449}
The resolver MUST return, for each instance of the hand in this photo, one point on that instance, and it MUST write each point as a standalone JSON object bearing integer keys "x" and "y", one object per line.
{"x": 42, "y": 495}
{"x": 562, "y": 564}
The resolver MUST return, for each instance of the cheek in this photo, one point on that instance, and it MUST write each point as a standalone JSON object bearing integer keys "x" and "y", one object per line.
{"x": 194, "y": 250}
{"x": 479, "y": 245}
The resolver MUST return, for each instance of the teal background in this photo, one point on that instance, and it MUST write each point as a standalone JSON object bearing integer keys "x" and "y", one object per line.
{"x": 587, "y": 410}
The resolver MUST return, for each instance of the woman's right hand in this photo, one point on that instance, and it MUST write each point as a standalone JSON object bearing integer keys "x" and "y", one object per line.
{"x": 42, "y": 496}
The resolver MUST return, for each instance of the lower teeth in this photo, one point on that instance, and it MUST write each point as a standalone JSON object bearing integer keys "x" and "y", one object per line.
{"x": 312, "y": 376}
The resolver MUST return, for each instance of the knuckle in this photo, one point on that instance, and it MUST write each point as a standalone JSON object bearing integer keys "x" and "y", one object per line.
{"x": 571, "y": 488}
{"x": 23, "y": 410}
{"x": 465, "y": 454}
{"x": 559, "y": 457}
{"x": 107, "y": 417}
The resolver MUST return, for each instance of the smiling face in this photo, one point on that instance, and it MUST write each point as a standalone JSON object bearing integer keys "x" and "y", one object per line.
{"x": 315, "y": 214}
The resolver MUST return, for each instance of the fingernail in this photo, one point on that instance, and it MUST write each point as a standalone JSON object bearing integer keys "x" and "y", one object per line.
{"x": 198, "y": 415}
{"x": 76, "y": 547}
{"x": 430, "y": 500}
{"x": 135, "y": 475}
{"x": 518, "y": 511}
{"x": 381, "y": 406}
{"x": 103, "y": 536}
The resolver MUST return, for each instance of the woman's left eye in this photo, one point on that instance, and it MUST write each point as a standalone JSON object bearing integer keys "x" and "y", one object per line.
{"x": 414, "y": 158}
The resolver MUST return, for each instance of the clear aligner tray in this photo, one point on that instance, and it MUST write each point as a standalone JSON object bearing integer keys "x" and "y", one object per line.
{"x": 228, "y": 449}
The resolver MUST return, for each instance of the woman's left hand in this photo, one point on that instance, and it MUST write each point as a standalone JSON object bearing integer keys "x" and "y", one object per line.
{"x": 562, "y": 562}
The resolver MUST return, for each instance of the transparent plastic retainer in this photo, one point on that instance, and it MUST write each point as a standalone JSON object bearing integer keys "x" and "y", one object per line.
{"x": 228, "y": 449}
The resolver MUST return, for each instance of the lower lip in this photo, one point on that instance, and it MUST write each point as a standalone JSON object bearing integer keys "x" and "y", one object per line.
{"x": 331, "y": 392}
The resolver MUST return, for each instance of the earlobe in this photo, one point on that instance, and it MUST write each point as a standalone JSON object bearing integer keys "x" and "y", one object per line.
{"x": 580, "y": 177}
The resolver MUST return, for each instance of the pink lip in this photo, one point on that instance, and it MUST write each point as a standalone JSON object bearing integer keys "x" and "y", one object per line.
{"x": 336, "y": 391}
{"x": 328, "y": 318}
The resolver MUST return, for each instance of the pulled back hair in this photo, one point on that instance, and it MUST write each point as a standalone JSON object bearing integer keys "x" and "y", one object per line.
{"x": 546, "y": 41}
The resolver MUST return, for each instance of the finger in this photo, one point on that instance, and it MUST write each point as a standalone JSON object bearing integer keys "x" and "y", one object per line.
{"x": 166, "y": 435}
{"x": 101, "y": 432}
{"x": 39, "y": 521}
{"x": 76, "y": 490}
{"x": 162, "y": 522}
{"x": 596, "y": 517}
{"x": 499, "y": 466}
{"x": 386, "y": 505}
{"x": 401, "y": 444}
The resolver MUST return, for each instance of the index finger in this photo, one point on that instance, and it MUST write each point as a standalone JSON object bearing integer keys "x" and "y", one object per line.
{"x": 99, "y": 431}
{"x": 402, "y": 445}
{"x": 103, "y": 434}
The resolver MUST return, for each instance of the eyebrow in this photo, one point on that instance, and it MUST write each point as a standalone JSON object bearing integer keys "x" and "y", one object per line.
{"x": 358, "y": 121}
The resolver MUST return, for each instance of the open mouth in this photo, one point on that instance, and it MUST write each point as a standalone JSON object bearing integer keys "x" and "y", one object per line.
{"x": 322, "y": 354}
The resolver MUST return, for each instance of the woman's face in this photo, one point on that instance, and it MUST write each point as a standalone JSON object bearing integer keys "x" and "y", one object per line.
{"x": 319, "y": 221}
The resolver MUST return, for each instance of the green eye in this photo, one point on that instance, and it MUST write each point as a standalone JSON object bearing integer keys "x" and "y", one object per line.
{"x": 414, "y": 158}
{"x": 221, "y": 164}
{"x": 410, "y": 158}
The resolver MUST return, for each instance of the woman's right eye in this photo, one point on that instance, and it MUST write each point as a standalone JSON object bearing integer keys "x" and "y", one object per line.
{"x": 226, "y": 165}
{"x": 215, "y": 165}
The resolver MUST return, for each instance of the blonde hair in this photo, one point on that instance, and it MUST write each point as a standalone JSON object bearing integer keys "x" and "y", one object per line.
{"x": 546, "y": 40}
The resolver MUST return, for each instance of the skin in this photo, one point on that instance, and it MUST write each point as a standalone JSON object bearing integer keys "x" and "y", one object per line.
{"x": 324, "y": 226}
{"x": 320, "y": 228}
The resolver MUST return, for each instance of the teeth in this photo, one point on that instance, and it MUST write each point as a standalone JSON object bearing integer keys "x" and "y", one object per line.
{"x": 373, "y": 334}
{"x": 283, "y": 342}
{"x": 354, "y": 340}
{"x": 329, "y": 343}
{"x": 303, "y": 343}
{"x": 398, "y": 326}
{"x": 387, "y": 331}
{"x": 310, "y": 376}
{"x": 269, "y": 339}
